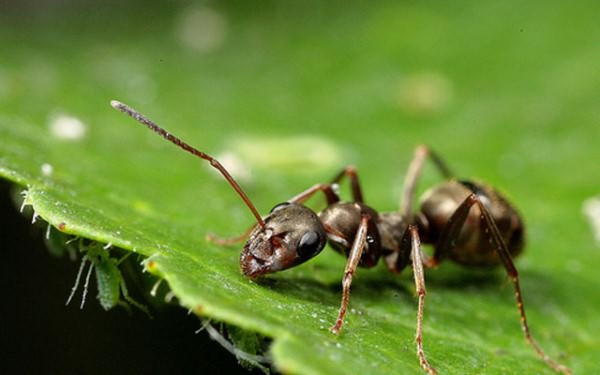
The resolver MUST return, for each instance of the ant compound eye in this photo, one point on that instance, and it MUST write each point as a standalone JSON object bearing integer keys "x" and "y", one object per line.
{"x": 309, "y": 244}
{"x": 280, "y": 206}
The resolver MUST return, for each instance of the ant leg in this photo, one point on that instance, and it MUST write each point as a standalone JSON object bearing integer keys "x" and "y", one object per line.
{"x": 417, "y": 264}
{"x": 330, "y": 195}
{"x": 353, "y": 258}
{"x": 211, "y": 237}
{"x": 507, "y": 261}
{"x": 413, "y": 174}
{"x": 447, "y": 240}
{"x": 350, "y": 172}
{"x": 451, "y": 231}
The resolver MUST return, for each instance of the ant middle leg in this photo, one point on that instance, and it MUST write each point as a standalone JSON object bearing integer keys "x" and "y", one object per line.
{"x": 411, "y": 242}
{"x": 414, "y": 173}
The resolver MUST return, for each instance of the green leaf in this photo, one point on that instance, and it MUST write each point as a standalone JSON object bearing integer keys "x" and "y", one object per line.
{"x": 290, "y": 94}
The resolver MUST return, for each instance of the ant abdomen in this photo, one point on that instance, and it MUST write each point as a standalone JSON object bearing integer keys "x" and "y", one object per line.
{"x": 473, "y": 246}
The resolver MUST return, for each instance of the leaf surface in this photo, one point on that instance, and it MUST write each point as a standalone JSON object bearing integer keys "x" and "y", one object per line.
{"x": 289, "y": 97}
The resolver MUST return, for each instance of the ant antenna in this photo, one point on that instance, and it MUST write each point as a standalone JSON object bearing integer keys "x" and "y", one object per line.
{"x": 181, "y": 144}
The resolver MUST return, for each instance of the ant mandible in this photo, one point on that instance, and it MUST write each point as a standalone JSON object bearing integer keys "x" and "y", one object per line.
{"x": 467, "y": 222}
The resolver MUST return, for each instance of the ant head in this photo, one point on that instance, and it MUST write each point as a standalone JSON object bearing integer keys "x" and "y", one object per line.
{"x": 292, "y": 234}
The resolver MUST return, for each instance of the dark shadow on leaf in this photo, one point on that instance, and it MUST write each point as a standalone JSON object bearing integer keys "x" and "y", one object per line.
{"x": 455, "y": 277}
{"x": 298, "y": 287}
{"x": 305, "y": 288}
{"x": 378, "y": 283}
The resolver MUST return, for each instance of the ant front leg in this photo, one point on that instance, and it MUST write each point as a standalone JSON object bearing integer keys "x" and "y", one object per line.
{"x": 411, "y": 240}
{"x": 413, "y": 175}
{"x": 211, "y": 237}
{"x": 330, "y": 195}
{"x": 350, "y": 172}
{"x": 448, "y": 239}
{"x": 353, "y": 259}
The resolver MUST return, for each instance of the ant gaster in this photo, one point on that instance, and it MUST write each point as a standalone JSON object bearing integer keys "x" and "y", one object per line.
{"x": 467, "y": 222}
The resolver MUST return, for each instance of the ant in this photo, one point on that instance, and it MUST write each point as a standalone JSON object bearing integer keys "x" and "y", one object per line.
{"x": 467, "y": 222}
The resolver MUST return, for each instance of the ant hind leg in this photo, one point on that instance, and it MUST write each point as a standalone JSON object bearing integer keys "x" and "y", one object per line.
{"x": 447, "y": 240}
{"x": 507, "y": 261}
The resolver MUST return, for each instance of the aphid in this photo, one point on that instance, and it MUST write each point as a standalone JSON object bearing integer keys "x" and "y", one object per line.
{"x": 110, "y": 281}
{"x": 467, "y": 222}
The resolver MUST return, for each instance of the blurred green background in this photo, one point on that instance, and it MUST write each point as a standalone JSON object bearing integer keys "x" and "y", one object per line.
{"x": 289, "y": 92}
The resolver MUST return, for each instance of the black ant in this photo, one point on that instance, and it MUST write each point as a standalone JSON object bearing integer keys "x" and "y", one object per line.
{"x": 467, "y": 222}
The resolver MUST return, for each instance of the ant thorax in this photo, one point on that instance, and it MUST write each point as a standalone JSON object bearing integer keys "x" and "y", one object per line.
{"x": 396, "y": 251}
{"x": 342, "y": 220}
